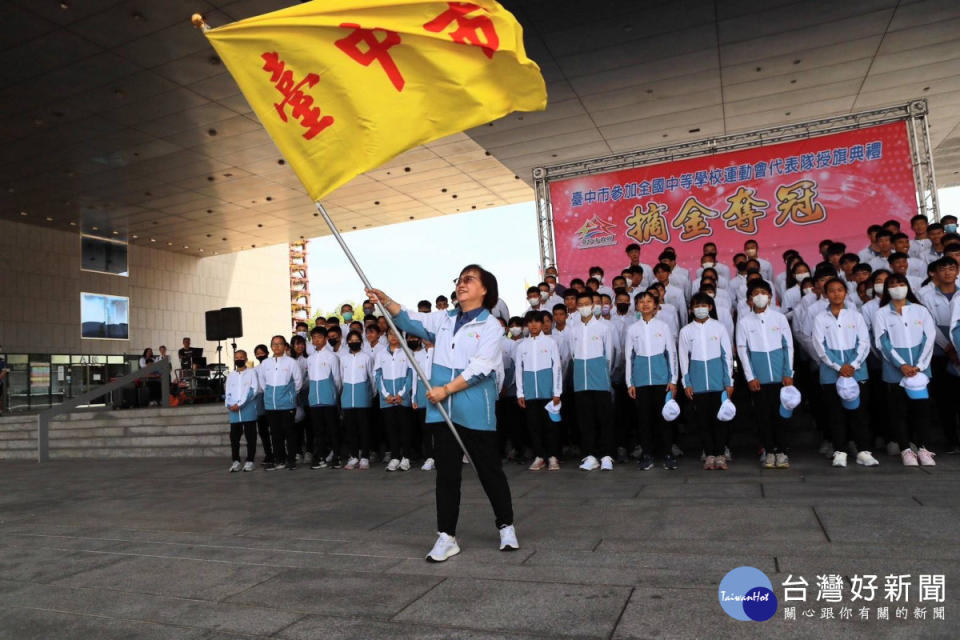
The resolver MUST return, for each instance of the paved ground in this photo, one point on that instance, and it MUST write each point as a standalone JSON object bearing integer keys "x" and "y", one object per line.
{"x": 181, "y": 549}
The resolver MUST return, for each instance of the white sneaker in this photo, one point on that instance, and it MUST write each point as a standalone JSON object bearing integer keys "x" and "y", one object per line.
{"x": 393, "y": 465}
{"x": 249, "y": 466}
{"x": 727, "y": 455}
{"x": 427, "y": 465}
{"x": 676, "y": 451}
{"x": 445, "y": 547}
{"x": 866, "y": 459}
{"x": 235, "y": 467}
{"x": 839, "y": 459}
{"x": 351, "y": 463}
{"x": 537, "y": 465}
{"x": 364, "y": 464}
{"x": 589, "y": 464}
{"x": 404, "y": 464}
{"x": 826, "y": 449}
{"x": 606, "y": 463}
{"x": 783, "y": 462}
{"x": 508, "y": 539}
{"x": 770, "y": 461}
{"x": 926, "y": 457}
{"x": 893, "y": 449}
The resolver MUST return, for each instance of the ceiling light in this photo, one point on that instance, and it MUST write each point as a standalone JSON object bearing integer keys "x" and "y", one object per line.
{"x": 116, "y": 233}
{"x": 24, "y": 213}
{"x": 95, "y": 228}
{"x": 64, "y": 5}
{"x": 186, "y": 246}
{"x": 169, "y": 244}
{"x": 134, "y": 236}
{"x": 153, "y": 239}
{"x": 72, "y": 223}
{"x": 48, "y": 219}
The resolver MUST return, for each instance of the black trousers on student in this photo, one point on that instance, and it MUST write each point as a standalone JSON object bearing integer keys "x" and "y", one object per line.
{"x": 543, "y": 431}
{"x": 945, "y": 390}
{"x": 284, "y": 435}
{"x": 906, "y": 412}
{"x": 482, "y": 447}
{"x": 325, "y": 429}
{"x": 713, "y": 432}
{"x": 625, "y": 417}
{"x": 356, "y": 432}
{"x": 650, "y": 422}
{"x": 247, "y": 430}
{"x": 396, "y": 422}
{"x": 595, "y": 417}
{"x": 766, "y": 407}
{"x": 510, "y": 426}
{"x": 846, "y": 424}
{"x": 426, "y": 430}
{"x": 263, "y": 427}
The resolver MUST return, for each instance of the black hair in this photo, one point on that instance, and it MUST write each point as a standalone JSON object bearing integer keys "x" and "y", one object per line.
{"x": 897, "y": 255}
{"x": 424, "y": 303}
{"x": 319, "y": 331}
{"x": 535, "y": 290}
{"x": 946, "y": 217}
{"x": 826, "y": 285}
{"x": 372, "y": 326}
{"x": 576, "y": 281}
{"x": 896, "y": 278}
{"x": 633, "y": 246}
{"x": 645, "y": 294}
{"x": 899, "y": 236}
{"x": 353, "y": 333}
{"x": 758, "y": 284}
{"x": 791, "y": 273}
{"x": 533, "y": 316}
{"x": 847, "y": 257}
{"x": 934, "y": 226}
{"x": 301, "y": 323}
{"x": 585, "y": 294}
{"x": 441, "y": 299}
{"x": 942, "y": 263}
{"x": 891, "y": 223}
{"x": 282, "y": 338}
{"x": 337, "y": 330}
{"x": 558, "y": 307}
{"x": 261, "y": 347}
{"x": 570, "y": 292}
{"x": 917, "y": 218}
{"x": 489, "y": 282}
{"x": 701, "y": 298}
{"x": 823, "y": 271}
{"x": 864, "y": 267}
{"x": 595, "y": 270}
{"x": 661, "y": 267}
{"x": 883, "y": 233}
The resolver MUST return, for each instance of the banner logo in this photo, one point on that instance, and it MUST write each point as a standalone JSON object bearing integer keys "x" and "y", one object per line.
{"x": 596, "y": 233}
{"x": 746, "y": 593}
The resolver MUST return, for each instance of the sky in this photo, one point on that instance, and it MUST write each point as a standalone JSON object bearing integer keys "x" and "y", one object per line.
{"x": 418, "y": 260}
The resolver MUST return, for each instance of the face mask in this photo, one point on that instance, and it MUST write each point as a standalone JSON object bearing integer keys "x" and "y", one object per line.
{"x": 950, "y": 228}
{"x": 544, "y": 295}
{"x": 605, "y": 309}
{"x": 413, "y": 344}
{"x": 239, "y": 364}
{"x": 711, "y": 294}
{"x": 552, "y": 287}
{"x": 586, "y": 312}
{"x": 598, "y": 277}
{"x": 898, "y": 293}
{"x": 347, "y": 316}
{"x": 742, "y": 267}
{"x": 333, "y": 342}
{"x": 761, "y": 300}
{"x": 515, "y": 331}
{"x": 878, "y": 288}
{"x": 809, "y": 293}
{"x": 533, "y": 301}
{"x": 623, "y": 307}
{"x": 751, "y": 253}
{"x": 302, "y": 334}
{"x": 354, "y": 346}
{"x": 800, "y": 277}
{"x": 597, "y": 310}
{"x": 526, "y": 332}
{"x": 701, "y": 313}
{"x": 708, "y": 265}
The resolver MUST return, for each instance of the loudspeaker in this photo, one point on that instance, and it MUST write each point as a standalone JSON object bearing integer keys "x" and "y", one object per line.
{"x": 231, "y": 322}
{"x": 215, "y": 326}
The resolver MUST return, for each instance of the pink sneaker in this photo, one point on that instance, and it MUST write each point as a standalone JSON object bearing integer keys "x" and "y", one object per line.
{"x": 909, "y": 457}
{"x": 926, "y": 457}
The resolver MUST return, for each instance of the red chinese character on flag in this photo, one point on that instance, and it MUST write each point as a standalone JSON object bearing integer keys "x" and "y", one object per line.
{"x": 377, "y": 50}
{"x": 302, "y": 104}
{"x": 469, "y": 29}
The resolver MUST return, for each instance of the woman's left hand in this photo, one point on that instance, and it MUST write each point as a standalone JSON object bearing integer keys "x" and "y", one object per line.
{"x": 437, "y": 394}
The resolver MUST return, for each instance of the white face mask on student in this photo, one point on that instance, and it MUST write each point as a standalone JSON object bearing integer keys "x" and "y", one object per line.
{"x": 586, "y": 312}
{"x": 533, "y": 301}
{"x": 597, "y": 310}
{"x": 801, "y": 276}
{"x": 544, "y": 295}
{"x": 515, "y": 331}
{"x": 761, "y": 300}
{"x": 708, "y": 265}
{"x": 898, "y": 292}
{"x": 701, "y": 313}
{"x": 878, "y": 288}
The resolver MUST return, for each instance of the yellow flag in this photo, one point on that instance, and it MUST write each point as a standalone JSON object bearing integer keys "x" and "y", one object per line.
{"x": 342, "y": 86}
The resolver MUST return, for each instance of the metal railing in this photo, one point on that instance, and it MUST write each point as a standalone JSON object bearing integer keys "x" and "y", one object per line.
{"x": 162, "y": 367}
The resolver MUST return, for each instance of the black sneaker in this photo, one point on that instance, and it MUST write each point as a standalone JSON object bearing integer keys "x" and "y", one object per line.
{"x": 669, "y": 462}
{"x": 336, "y": 463}
{"x": 645, "y": 462}
{"x": 269, "y": 466}
{"x": 291, "y": 466}
{"x": 319, "y": 464}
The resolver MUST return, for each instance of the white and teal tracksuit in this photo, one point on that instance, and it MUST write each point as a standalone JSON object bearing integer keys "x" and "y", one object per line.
{"x": 356, "y": 373}
{"x": 593, "y": 350}
{"x": 539, "y": 368}
{"x": 840, "y": 340}
{"x": 706, "y": 356}
{"x": 242, "y": 389}
{"x": 765, "y": 346}
{"x": 418, "y": 391}
{"x": 323, "y": 375}
{"x": 904, "y": 338}
{"x": 651, "y": 354}
{"x": 392, "y": 372}
{"x": 282, "y": 380}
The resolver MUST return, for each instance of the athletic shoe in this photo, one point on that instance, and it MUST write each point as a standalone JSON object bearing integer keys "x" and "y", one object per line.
{"x": 235, "y": 466}
{"x": 404, "y": 464}
{"x": 298, "y": 458}
{"x": 769, "y": 461}
{"x": 249, "y": 466}
{"x": 393, "y": 465}
{"x": 589, "y": 464}
{"x": 374, "y": 457}
{"x": 291, "y": 466}
{"x": 553, "y": 464}
{"x": 351, "y": 463}
{"x": 267, "y": 462}
{"x": 926, "y": 457}
{"x": 637, "y": 452}
{"x": 839, "y": 459}
{"x": 783, "y": 462}
{"x": 866, "y": 459}
{"x": 330, "y": 456}
{"x": 427, "y": 465}
{"x": 445, "y": 547}
{"x": 727, "y": 454}
{"x": 364, "y": 464}
{"x": 334, "y": 463}
{"x": 645, "y": 463}
{"x": 508, "y": 539}
{"x": 708, "y": 462}
{"x": 893, "y": 449}
{"x": 606, "y": 463}
{"x": 676, "y": 451}
{"x": 670, "y": 462}
{"x": 319, "y": 464}
{"x": 272, "y": 467}
{"x": 720, "y": 463}
{"x": 538, "y": 464}
{"x": 953, "y": 450}
{"x": 622, "y": 455}
{"x": 909, "y": 458}
{"x": 826, "y": 449}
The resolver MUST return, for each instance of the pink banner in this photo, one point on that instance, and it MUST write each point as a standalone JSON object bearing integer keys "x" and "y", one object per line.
{"x": 787, "y": 195}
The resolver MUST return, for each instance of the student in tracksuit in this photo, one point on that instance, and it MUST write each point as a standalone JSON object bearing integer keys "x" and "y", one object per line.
{"x": 539, "y": 378}
{"x": 356, "y": 373}
{"x": 393, "y": 378}
{"x": 841, "y": 343}
{"x": 323, "y": 389}
{"x": 240, "y": 397}
{"x": 593, "y": 351}
{"x": 905, "y": 335}
{"x": 651, "y": 372}
{"x": 706, "y": 364}
{"x": 299, "y": 352}
{"x": 282, "y": 380}
{"x": 765, "y": 346}
{"x": 939, "y": 300}
{"x": 261, "y": 353}
{"x": 423, "y": 356}
{"x": 466, "y": 376}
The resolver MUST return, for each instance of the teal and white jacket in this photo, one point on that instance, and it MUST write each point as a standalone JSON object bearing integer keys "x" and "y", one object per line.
{"x": 765, "y": 346}
{"x": 904, "y": 338}
{"x": 594, "y": 352}
{"x": 323, "y": 375}
{"x": 706, "y": 357}
{"x": 242, "y": 388}
{"x": 418, "y": 391}
{"x": 840, "y": 340}
{"x": 473, "y": 352}
{"x": 651, "y": 354}
{"x": 539, "y": 368}
{"x": 356, "y": 372}
{"x": 281, "y": 379}
{"x": 392, "y": 370}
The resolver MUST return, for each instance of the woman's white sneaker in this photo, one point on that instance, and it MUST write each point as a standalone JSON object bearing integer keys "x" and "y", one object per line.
{"x": 508, "y": 539}
{"x": 589, "y": 464}
{"x": 404, "y": 464}
{"x": 351, "y": 464}
{"x": 909, "y": 458}
{"x": 866, "y": 459}
{"x": 606, "y": 463}
{"x": 235, "y": 467}
{"x": 393, "y": 465}
{"x": 249, "y": 466}
{"x": 926, "y": 457}
{"x": 445, "y": 547}
{"x": 427, "y": 465}
{"x": 839, "y": 458}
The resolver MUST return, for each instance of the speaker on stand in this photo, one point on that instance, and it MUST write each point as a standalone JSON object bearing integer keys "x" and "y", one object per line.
{"x": 223, "y": 324}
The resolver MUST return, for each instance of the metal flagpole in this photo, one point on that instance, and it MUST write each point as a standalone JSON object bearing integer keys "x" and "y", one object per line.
{"x": 389, "y": 318}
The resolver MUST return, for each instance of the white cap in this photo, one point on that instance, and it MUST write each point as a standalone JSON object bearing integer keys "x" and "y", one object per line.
{"x": 553, "y": 410}
{"x": 849, "y": 391}
{"x": 790, "y": 397}
{"x": 728, "y": 411}
{"x": 916, "y": 386}
{"x": 671, "y": 410}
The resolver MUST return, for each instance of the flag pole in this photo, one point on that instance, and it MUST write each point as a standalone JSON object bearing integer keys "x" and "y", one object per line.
{"x": 386, "y": 314}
